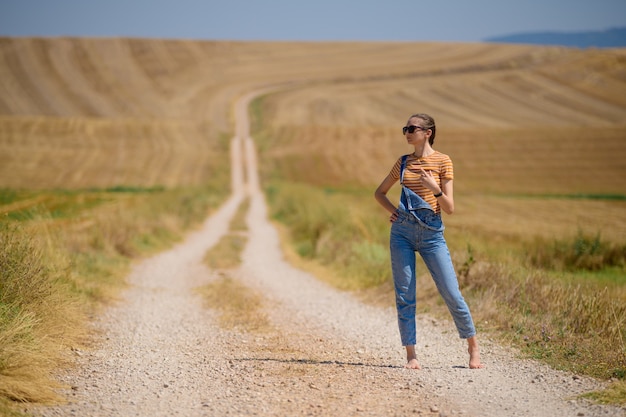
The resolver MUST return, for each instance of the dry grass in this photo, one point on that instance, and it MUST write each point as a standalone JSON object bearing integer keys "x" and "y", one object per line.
{"x": 227, "y": 253}
{"x": 60, "y": 261}
{"x": 571, "y": 324}
{"x": 64, "y": 257}
{"x": 614, "y": 394}
{"x": 239, "y": 306}
{"x": 47, "y": 152}
{"x": 39, "y": 314}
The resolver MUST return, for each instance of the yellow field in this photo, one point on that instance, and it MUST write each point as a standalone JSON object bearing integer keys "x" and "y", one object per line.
{"x": 517, "y": 120}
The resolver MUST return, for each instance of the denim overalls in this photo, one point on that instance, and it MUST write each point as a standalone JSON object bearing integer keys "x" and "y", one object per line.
{"x": 419, "y": 229}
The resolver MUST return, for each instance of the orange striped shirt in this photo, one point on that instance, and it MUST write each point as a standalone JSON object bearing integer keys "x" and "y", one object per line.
{"x": 439, "y": 164}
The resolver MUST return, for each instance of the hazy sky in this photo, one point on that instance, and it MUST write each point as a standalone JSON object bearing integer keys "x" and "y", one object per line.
{"x": 311, "y": 20}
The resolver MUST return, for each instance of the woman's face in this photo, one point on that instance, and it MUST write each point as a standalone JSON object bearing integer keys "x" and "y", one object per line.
{"x": 419, "y": 135}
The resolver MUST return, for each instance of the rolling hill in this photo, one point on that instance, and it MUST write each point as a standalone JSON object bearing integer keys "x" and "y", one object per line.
{"x": 78, "y": 113}
{"x": 610, "y": 38}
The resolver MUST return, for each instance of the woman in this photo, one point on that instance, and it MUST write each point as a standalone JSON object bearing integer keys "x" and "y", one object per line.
{"x": 426, "y": 178}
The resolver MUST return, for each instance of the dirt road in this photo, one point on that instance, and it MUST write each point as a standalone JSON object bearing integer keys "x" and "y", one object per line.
{"x": 161, "y": 352}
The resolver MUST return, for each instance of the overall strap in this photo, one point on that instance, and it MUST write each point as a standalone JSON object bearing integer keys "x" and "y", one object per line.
{"x": 402, "y": 166}
{"x": 404, "y": 189}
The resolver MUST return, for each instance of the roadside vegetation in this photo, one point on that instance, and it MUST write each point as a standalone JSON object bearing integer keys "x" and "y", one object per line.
{"x": 61, "y": 262}
{"x": 239, "y": 306}
{"x": 573, "y": 318}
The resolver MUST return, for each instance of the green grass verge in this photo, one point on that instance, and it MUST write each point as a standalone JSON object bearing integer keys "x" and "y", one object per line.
{"x": 334, "y": 228}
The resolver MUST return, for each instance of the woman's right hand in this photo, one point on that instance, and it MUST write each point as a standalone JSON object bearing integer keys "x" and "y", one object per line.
{"x": 394, "y": 216}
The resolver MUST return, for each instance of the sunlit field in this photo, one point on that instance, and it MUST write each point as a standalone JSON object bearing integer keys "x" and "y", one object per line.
{"x": 111, "y": 149}
{"x": 545, "y": 144}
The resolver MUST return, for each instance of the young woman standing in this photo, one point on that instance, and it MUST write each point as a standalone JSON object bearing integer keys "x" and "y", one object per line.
{"x": 426, "y": 178}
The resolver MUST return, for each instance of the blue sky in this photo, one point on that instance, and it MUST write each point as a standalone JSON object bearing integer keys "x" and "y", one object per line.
{"x": 311, "y": 20}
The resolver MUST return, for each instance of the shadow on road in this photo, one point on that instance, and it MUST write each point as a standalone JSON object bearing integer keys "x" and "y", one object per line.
{"x": 316, "y": 362}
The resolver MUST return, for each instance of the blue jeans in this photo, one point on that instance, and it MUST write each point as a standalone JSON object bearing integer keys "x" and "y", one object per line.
{"x": 407, "y": 237}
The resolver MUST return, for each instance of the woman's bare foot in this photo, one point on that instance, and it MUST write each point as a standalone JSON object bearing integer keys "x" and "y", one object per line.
{"x": 411, "y": 358}
{"x": 412, "y": 364}
{"x": 474, "y": 352}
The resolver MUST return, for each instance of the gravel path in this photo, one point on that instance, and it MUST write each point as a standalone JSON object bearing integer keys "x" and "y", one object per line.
{"x": 160, "y": 352}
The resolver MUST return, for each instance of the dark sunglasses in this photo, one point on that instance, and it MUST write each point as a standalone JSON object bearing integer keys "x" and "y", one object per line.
{"x": 412, "y": 129}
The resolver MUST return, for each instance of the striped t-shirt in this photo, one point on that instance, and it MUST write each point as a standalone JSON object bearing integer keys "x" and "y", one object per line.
{"x": 438, "y": 163}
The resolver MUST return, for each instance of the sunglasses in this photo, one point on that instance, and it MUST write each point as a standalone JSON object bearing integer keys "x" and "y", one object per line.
{"x": 412, "y": 129}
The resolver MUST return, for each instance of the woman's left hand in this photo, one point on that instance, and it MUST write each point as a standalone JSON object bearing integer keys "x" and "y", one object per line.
{"x": 428, "y": 180}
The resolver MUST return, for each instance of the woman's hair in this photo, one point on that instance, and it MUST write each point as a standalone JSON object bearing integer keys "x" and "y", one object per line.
{"x": 429, "y": 123}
